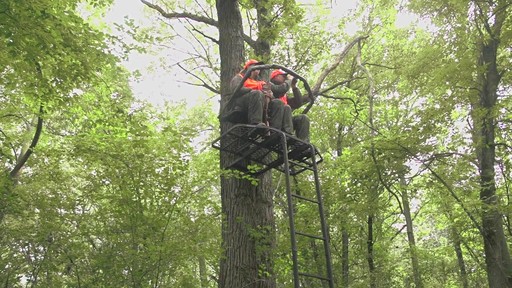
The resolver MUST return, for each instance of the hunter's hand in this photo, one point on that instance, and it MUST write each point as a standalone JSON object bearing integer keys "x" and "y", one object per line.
{"x": 294, "y": 82}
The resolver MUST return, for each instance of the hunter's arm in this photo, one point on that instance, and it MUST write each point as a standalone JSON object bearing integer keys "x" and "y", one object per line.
{"x": 234, "y": 83}
{"x": 297, "y": 100}
{"x": 281, "y": 89}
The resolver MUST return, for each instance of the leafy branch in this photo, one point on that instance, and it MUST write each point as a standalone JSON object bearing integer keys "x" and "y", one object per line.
{"x": 204, "y": 84}
{"x": 438, "y": 177}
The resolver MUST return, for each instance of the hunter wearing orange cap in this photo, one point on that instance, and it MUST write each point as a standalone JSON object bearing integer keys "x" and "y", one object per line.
{"x": 250, "y": 100}
{"x": 251, "y": 62}
{"x": 280, "y": 84}
{"x": 246, "y": 106}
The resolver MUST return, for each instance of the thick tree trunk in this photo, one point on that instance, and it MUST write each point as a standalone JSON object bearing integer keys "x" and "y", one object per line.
{"x": 495, "y": 245}
{"x": 497, "y": 257}
{"x": 248, "y": 223}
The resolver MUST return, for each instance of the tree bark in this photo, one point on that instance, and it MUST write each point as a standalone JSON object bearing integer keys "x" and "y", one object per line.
{"x": 264, "y": 18}
{"x": 460, "y": 257}
{"x": 248, "y": 222}
{"x": 373, "y": 193}
{"x": 203, "y": 274}
{"x": 344, "y": 231}
{"x": 370, "y": 256}
{"x": 344, "y": 257}
{"x": 497, "y": 257}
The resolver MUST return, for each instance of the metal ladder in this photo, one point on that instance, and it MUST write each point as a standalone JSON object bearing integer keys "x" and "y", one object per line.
{"x": 270, "y": 148}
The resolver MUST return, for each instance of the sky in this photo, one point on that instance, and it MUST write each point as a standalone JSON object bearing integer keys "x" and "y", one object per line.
{"x": 156, "y": 85}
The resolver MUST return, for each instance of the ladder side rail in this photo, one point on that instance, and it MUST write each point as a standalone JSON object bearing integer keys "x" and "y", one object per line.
{"x": 322, "y": 220}
{"x": 289, "y": 199}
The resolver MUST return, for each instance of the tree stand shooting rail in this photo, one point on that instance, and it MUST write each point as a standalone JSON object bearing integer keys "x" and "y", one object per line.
{"x": 268, "y": 148}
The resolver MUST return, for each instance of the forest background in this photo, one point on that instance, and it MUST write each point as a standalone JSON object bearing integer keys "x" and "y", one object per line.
{"x": 102, "y": 189}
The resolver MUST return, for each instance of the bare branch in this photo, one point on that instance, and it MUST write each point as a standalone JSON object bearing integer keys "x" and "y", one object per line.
{"x": 335, "y": 64}
{"x": 338, "y": 84}
{"x": 342, "y": 98}
{"x": 503, "y": 144}
{"x": 449, "y": 188}
{"x": 16, "y": 116}
{"x": 198, "y": 18}
{"x": 176, "y": 15}
{"x": 384, "y": 183}
{"x": 485, "y": 19}
{"x": 380, "y": 65}
{"x": 302, "y": 58}
{"x": 206, "y": 85}
{"x": 252, "y": 43}
{"x": 205, "y": 36}
{"x": 437, "y": 156}
{"x": 404, "y": 226}
{"x": 23, "y": 159}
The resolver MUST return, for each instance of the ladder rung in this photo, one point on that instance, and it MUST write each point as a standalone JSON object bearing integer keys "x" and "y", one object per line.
{"x": 314, "y": 276}
{"x": 310, "y": 235}
{"x": 304, "y": 198}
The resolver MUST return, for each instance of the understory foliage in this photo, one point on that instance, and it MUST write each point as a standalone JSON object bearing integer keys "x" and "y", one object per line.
{"x": 98, "y": 189}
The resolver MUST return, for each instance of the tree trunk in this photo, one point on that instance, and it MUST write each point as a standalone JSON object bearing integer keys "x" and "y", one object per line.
{"x": 370, "y": 256}
{"x": 344, "y": 257}
{"x": 248, "y": 222}
{"x": 410, "y": 238}
{"x": 460, "y": 257}
{"x": 344, "y": 231}
{"x": 203, "y": 274}
{"x": 497, "y": 257}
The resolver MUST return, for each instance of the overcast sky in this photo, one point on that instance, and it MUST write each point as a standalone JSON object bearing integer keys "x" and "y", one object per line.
{"x": 156, "y": 85}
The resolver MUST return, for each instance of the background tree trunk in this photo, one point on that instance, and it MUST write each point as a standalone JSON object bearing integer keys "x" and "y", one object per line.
{"x": 460, "y": 257}
{"x": 344, "y": 230}
{"x": 370, "y": 257}
{"x": 497, "y": 257}
{"x": 344, "y": 258}
{"x": 203, "y": 274}
{"x": 410, "y": 236}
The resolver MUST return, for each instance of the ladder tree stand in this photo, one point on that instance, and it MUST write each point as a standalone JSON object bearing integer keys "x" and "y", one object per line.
{"x": 267, "y": 148}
